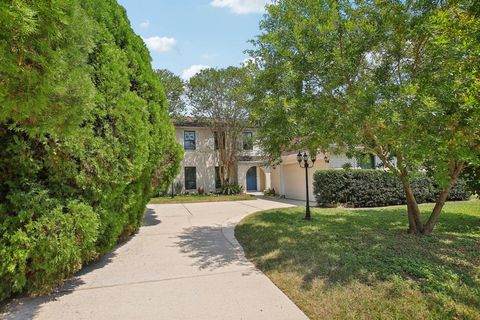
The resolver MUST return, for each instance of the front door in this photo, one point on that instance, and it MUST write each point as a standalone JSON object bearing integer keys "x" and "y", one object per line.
{"x": 252, "y": 179}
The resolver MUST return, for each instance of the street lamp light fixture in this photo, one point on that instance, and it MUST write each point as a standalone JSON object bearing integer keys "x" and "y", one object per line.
{"x": 304, "y": 158}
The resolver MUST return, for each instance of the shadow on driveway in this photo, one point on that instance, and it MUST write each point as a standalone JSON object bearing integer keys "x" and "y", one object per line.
{"x": 209, "y": 249}
{"x": 150, "y": 218}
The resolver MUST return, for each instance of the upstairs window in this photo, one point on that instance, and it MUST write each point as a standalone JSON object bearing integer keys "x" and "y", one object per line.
{"x": 190, "y": 178}
{"x": 189, "y": 140}
{"x": 247, "y": 141}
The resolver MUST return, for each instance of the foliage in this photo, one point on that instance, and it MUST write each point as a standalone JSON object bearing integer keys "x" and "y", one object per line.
{"x": 270, "y": 192}
{"x": 218, "y": 97}
{"x": 169, "y": 167}
{"x": 231, "y": 189}
{"x": 375, "y": 188}
{"x": 200, "y": 190}
{"x": 399, "y": 78}
{"x": 347, "y": 166}
{"x": 174, "y": 88}
{"x": 83, "y": 129}
{"x": 471, "y": 176}
{"x": 360, "y": 264}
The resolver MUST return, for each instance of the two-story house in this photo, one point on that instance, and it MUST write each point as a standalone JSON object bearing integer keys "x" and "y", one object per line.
{"x": 200, "y": 164}
{"x": 200, "y": 168}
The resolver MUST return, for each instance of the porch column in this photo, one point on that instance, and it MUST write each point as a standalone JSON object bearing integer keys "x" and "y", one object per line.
{"x": 268, "y": 182}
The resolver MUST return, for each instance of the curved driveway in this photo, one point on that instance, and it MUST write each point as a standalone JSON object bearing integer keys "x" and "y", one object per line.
{"x": 183, "y": 264}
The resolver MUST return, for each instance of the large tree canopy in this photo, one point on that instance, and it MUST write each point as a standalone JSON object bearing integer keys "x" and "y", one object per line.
{"x": 85, "y": 137}
{"x": 400, "y": 78}
{"x": 174, "y": 88}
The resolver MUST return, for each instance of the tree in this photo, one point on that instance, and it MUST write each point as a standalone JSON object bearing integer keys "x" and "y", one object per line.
{"x": 174, "y": 89}
{"x": 399, "y": 78}
{"x": 85, "y": 137}
{"x": 218, "y": 97}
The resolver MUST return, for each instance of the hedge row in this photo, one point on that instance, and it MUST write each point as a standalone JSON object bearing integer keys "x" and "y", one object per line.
{"x": 375, "y": 188}
{"x": 85, "y": 137}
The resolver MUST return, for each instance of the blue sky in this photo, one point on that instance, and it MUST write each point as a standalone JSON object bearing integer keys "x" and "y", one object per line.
{"x": 185, "y": 36}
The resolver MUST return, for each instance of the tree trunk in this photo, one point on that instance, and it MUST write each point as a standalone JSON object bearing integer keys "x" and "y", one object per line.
{"x": 414, "y": 221}
{"x": 455, "y": 170}
{"x": 413, "y": 212}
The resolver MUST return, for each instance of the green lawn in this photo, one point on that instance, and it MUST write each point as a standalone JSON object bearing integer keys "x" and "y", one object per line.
{"x": 202, "y": 198}
{"x": 360, "y": 264}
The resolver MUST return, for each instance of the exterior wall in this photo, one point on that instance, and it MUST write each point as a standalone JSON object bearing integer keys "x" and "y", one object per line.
{"x": 275, "y": 179}
{"x": 205, "y": 158}
{"x": 262, "y": 173}
{"x": 242, "y": 174}
{"x": 338, "y": 160}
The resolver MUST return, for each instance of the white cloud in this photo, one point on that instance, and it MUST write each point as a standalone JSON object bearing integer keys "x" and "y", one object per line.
{"x": 145, "y": 24}
{"x": 194, "y": 69}
{"x": 161, "y": 44}
{"x": 241, "y": 6}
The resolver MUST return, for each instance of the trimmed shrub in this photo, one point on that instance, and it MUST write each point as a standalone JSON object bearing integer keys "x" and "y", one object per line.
{"x": 375, "y": 188}
{"x": 85, "y": 137}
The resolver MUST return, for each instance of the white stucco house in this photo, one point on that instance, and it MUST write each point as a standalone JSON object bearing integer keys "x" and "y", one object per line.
{"x": 199, "y": 167}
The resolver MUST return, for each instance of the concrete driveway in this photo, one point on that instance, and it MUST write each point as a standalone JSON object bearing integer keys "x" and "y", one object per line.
{"x": 184, "y": 263}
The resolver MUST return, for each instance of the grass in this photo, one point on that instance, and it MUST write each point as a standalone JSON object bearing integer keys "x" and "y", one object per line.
{"x": 361, "y": 264}
{"x": 202, "y": 198}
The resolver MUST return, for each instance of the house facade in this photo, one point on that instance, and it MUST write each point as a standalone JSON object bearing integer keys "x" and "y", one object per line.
{"x": 200, "y": 166}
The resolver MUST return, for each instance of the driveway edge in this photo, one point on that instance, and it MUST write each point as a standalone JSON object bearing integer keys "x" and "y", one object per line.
{"x": 228, "y": 231}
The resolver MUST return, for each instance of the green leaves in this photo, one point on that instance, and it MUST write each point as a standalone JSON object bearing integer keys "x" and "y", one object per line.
{"x": 85, "y": 137}
{"x": 44, "y": 66}
{"x": 174, "y": 90}
{"x": 402, "y": 75}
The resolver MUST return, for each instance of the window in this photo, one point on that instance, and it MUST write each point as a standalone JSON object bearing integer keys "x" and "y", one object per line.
{"x": 189, "y": 140}
{"x": 247, "y": 141}
{"x": 218, "y": 181}
{"x": 190, "y": 178}
{"x": 215, "y": 138}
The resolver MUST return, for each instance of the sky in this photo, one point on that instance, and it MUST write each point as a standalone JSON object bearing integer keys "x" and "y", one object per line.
{"x": 185, "y": 36}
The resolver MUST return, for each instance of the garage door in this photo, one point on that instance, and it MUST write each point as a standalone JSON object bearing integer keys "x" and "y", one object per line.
{"x": 295, "y": 182}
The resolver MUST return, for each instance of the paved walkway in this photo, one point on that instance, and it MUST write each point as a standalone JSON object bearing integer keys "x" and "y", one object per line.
{"x": 184, "y": 263}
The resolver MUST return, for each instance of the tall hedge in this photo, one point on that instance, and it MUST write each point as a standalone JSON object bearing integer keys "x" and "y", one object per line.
{"x": 375, "y": 188}
{"x": 84, "y": 137}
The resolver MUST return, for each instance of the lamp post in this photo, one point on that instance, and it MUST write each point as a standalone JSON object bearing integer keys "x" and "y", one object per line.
{"x": 304, "y": 158}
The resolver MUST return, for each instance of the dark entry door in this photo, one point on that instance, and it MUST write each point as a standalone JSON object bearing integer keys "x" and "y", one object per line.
{"x": 252, "y": 179}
